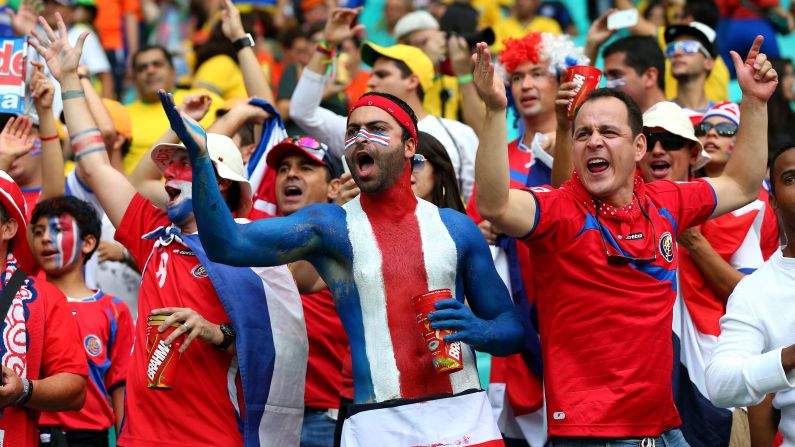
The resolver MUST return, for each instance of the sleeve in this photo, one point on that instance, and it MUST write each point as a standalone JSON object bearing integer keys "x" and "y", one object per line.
{"x": 63, "y": 349}
{"x": 687, "y": 203}
{"x": 557, "y": 218}
{"x": 131, "y": 7}
{"x": 94, "y": 56}
{"x": 140, "y": 218}
{"x": 740, "y": 373}
{"x": 770, "y": 233}
{"x": 214, "y": 74}
{"x": 472, "y": 207}
{"x": 288, "y": 82}
{"x": 319, "y": 123}
{"x": 121, "y": 344}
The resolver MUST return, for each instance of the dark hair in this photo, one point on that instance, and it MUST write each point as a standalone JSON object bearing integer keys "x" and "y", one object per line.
{"x": 640, "y": 53}
{"x": 445, "y": 186}
{"x": 290, "y": 35}
{"x": 4, "y": 216}
{"x": 405, "y": 72}
{"x": 216, "y": 45}
{"x": 81, "y": 211}
{"x": 402, "y": 104}
{"x": 781, "y": 150}
{"x": 779, "y": 114}
{"x": 161, "y": 48}
{"x": 634, "y": 115}
{"x": 704, "y": 11}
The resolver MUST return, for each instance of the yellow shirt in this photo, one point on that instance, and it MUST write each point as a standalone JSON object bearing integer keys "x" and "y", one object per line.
{"x": 222, "y": 76}
{"x": 490, "y": 13}
{"x": 433, "y": 98}
{"x": 716, "y": 86}
{"x": 150, "y": 123}
{"x": 509, "y": 27}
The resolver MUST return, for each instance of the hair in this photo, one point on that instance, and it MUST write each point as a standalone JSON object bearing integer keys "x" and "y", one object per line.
{"x": 781, "y": 150}
{"x": 634, "y": 115}
{"x": 402, "y": 104}
{"x": 81, "y": 211}
{"x": 521, "y": 50}
{"x": 405, "y": 72}
{"x": 216, "y": 45}
{"x": 779, "y": 114}
{"x": 4, "y": 216}
{"x": 233, "y": 196}
{"x": 445, "y": 192}
{"x": 640, "y": 53}
{"x": 289, "y": 36}
{"x": 704, "y": 11}
{"x": 161, "y": 48}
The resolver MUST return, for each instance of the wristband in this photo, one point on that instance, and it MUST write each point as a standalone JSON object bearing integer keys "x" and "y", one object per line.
{"x": 87, "y": 142}
{"x": 81, "y": 76}
{"x": 27, "y": 392}
{"x": 50, "y": 138}
{"x": 323, "y": 47}
{"x": 72, "y": 94}
{"x": 465, "y": 79}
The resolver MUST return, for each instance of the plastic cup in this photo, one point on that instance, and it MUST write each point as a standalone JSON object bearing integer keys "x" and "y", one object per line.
{"x": 162, "y": 360}
{"x": 447, "y": 357}
{"x": 587, "y": 79}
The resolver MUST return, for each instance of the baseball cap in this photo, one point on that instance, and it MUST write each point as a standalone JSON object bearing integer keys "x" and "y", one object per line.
{"x": 701, "y": 32}
{"x": 227, "y": 161}
{"x": 725, "y": 109}
{"x": 414, "y": 21}
{"x": 315, "y": 150}
{"x": 417, "y": 61}
{"x": 14, "y": 203}
{"x": 669, "y": 116}
{"x": 120, "y": 117}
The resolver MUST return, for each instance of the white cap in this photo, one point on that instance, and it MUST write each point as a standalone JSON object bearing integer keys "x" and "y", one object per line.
{"x": 669, "y": 116}
{"x": 414, "y": 21}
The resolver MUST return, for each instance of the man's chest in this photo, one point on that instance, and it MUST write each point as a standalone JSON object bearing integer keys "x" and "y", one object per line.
{"x": 174, "y": 276}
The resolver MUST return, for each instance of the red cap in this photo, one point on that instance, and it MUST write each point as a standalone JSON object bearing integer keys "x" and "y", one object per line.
{"x": 14, "y": 203}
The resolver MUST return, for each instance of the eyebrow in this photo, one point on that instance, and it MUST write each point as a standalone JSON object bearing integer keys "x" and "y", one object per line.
{"x": 368, "y": 124}
{"x": 786, "y": 172}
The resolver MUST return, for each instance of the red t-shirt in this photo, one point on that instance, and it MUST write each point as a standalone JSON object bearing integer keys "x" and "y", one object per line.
{"x": 62, "y": 352}
{"x": 31, "y": 196}
{"x": 198, "y": 410}
{"x": 327, "y": 349}
{"x": 606, "y": 329}
{"x": 106, "y": 330}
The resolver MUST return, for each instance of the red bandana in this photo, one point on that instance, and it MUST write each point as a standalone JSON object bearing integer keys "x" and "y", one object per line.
{"x": 391, "y": 108}
{"x": 627, "y": 213}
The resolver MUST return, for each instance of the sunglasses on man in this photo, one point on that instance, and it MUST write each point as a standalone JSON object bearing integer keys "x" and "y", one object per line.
{"x": 685, "y": 47}
{"x": 620, "y": 258}
{"x": 723, "y": 129}
{"x": 668, "y": 141}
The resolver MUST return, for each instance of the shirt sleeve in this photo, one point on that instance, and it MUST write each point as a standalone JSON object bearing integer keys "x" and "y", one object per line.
{"x": 557, "y": 218}
{"x": 316, "y": 121}
{"x": 140, "y": 218}
{"x": 63, "y": 349}
{"x": 120, "y": 345}
{"x": 687, "y": 203}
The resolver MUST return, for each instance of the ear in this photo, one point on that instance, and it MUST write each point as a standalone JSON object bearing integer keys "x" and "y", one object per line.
{"x": 409, "y": 148}
{"x": 640, "y": 147}
{"x": 694, "y": 151}
{"x": 333, "y": 190}
{"x": 709, "y": 64}
{"x": 224, "y": 184}
{"x": 9, "y": 229}
{"x": 413, "y": 82}
{"x": 89, "y": 244}
{"x": 773, "y": 201}
{"x": 650, "y": 77}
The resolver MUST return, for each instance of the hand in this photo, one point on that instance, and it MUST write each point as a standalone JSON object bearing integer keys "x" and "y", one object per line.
{"x": 757, "y": 78}
{"x": 110, "y": 251}
{"x": 187, "y": 129}
{"x": 11, "y": 387}
{"x": 489, "y": 231}
{"x": 42, "y": 89}
{"x": 193, "y": 324}
{"x": 195, "y": 106}
{"x": 82, "y": 70}
{"x": 598, "y": 32}
{"x": 231, "y": 25}
{"x": 348, "y": 189}
{"x": 460, "y": 56}
{"x": 564, "y": 96}
{"x": 338, "y": 25}
{"x": 250, "y": 113}
{"x": 490, "y": 88}
{"x": 332, "y": 88}
{"x": 24, "y": 20}
{"x": 61, "y": 57}
{"x": 15, "y": 139}
{"x": 454, "y": 315}
{"x": 435, "y": 47}
{"x": 690, "y": 238}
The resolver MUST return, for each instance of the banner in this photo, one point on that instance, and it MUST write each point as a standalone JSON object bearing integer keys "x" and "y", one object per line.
{"x": 13, "y": 52}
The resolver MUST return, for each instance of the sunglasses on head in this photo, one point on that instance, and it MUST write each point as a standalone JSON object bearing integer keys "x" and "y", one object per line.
{"x": 723, "y": 129}
{"x": 621, "y": 259}
{"x": 669, "y": 141}
{"x": 686, "y": 47}
{"x": 316, "y": 148}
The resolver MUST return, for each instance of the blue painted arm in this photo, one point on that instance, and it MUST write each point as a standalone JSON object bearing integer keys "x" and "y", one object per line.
{"x": 492, "y": 324}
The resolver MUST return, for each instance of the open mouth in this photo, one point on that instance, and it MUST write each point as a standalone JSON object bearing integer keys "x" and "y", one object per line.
{"x": 292, "y": 191}
{"x": 660, "y": 168}
{"x": 173, "y": 193}
{"x": 528, "y": 100}
{"x": 710, "y": 147}
{"x": 597, "y": 165}
{"x": 365, "y": 163}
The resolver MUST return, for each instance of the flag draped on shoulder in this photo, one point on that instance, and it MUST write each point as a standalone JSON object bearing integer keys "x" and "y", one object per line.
{"x": 262, "y": 178}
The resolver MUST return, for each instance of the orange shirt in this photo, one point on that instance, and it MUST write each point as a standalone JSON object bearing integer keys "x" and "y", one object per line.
{"x": 358, "y": 86}
{"x": 110, "y": 21}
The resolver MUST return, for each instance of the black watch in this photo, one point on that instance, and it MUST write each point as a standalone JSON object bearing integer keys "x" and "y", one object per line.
{"x": 243, "y": 42}
{"x": 229, "y": 336}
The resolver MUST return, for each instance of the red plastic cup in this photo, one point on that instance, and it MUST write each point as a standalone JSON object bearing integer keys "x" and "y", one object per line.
{"x": 447, "y": 357}
{"x": 587, "y": 79}
{"x": 162, "y": 360}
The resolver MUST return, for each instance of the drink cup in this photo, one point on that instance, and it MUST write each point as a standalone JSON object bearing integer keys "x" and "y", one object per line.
{"x": 587, "y": 79}
{"x": 447, "y": 357}
{"x": 162, "y": 360}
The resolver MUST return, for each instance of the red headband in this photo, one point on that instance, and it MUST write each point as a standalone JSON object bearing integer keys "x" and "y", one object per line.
{"x": 391, "y": 108}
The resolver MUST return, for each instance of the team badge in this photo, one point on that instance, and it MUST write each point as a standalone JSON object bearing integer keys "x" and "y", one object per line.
{"x": 667, "y": 246}
{"x": 199, "y": 271}
{"x": 93, "y": 345}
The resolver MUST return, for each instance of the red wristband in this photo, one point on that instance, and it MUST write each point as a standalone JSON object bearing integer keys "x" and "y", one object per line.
{"x": 50, "y": 138}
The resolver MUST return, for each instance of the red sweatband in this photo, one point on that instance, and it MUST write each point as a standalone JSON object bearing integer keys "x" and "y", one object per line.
{"x": 50, "y": 138}
{"x": 391, "y": 108}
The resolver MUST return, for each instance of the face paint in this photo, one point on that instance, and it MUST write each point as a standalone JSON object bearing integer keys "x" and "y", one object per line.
{"x": 615, "y": 83}
{"x": 179, "y": 177}
{"x": 377, "y": 138}
{"x": 36, "y": 149}
{"x": 65, "y": 237}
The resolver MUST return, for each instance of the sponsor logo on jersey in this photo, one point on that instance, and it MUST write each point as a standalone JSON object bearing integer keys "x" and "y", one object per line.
{"x": 93, "y": 345}
{"x": 184, "y": 252}
{"x": 667, "y": 246}
{"x": 634, "y": 236}
{"x": 558, "y": 415}
{"x": 199, "y": 271}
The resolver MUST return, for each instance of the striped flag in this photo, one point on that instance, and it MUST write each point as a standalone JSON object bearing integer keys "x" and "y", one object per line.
{"x": 262, "y": 179}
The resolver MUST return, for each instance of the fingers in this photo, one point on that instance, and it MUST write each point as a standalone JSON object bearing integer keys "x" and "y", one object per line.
{"x": 9, "y": 125}
{"x": 738, "y": 62}
{"x": 754, "y": 51}
{"x": 185, "y": 343}
{"x": 47, "y": 30}
{"x": 80, "y": 41}
{"x": 444, "y": 315}
{"x": 62, "y": 25}
{"x": 450, "y": 303}
{"x": 37, "y": 42}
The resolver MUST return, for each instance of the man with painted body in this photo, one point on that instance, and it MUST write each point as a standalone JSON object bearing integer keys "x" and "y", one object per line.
{"x": 376, "y": 253}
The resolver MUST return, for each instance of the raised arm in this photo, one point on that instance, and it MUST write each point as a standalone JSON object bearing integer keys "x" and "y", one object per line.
{"x": 461, "y": 61}
{"x": 42, "y": 91}
{"x": 253, "y": 77}
{"x": 598, "y": 34}
{"x": 101, "y": 116}
{"x": 111, "y": 187}
{"x": 741, "y": 179}
{"x": 513, "y": 211}
{"x": 563, "y": 167}
{"x": 16, "y": 140}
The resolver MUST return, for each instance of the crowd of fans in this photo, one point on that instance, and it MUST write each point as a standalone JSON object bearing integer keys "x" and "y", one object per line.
{"x": 276, "y": 180}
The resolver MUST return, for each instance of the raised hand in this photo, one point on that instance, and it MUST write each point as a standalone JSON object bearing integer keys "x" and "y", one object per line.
{"x": 756, "y": 76}
{"x": 187, "y": 129}
{"x": 24, "y": 20}
{"x": 196, "y": 106}
{"x": 16, "y": 139}
{"x": 564, "y": 96}
{"x": 61, "y": 57}
{"x": 338, "y": 26}
{"x": 231, "y": 25}
{"x": 598, "y": 32}
{"x": 460, "y": 56}
{"x": 490, "y": 88}
{"x": 42, "y": 89}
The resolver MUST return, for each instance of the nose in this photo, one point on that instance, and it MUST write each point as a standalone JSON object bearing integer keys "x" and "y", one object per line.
{"x": 528, "y": 82}
{"x": 657, "y": 149}
{"x": 170, "y": 171}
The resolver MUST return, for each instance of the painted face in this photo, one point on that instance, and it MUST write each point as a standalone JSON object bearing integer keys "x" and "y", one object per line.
{"x": 179, "y": 180}
{"x": 533, "y": 89}
{"x": 56, "y": 242}
{"x": 622, "y": 77}
{"x": 718, "y": 146}
{"x": 375, "y": 167}
{"x": 300, "y": 182}
{"x": 668, "y": 157}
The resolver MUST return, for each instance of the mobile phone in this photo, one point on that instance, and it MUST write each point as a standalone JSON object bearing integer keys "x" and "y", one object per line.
{"x": 625, "y": 18}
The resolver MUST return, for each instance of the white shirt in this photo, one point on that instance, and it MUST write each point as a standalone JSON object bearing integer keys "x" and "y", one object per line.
{"x": 759, "y": 323}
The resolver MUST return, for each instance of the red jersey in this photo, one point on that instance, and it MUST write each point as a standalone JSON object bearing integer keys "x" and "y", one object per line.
{"x": 606, "y": 329}
{"x": 328, "y": 345}
{"x": 198, "y": 411}
{"x": 106, "y": 330}
{"x": 60, "y": 352}
{"x": 31, "y": 199}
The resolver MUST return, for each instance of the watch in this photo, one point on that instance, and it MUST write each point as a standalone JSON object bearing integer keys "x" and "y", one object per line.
{"x": 229, "y": 336}
{"x": 27, "y": 392}
{"x": 243, "y": 42}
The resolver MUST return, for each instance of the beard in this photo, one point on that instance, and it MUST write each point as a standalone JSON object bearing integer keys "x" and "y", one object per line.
{"x": 389, "y": 163}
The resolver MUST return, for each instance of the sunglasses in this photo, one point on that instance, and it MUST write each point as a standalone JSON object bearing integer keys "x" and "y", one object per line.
{"x": 686, "y": 47}
{"x": 311, "y": 145}
{"x": 723, "y": 129}
{"x": 621, "y": 259}
{"x": 418, "y": 163}
{"x": 668, "y": 141}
